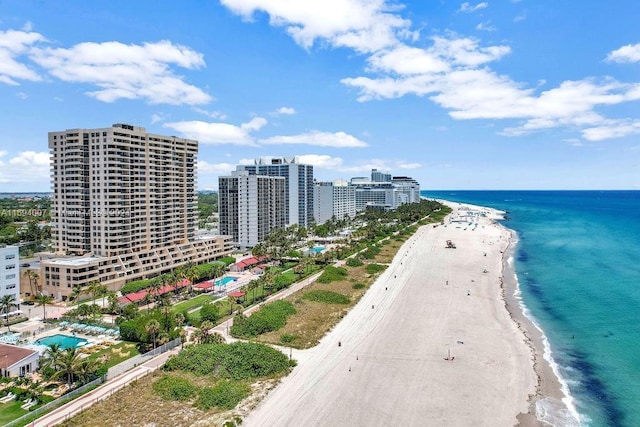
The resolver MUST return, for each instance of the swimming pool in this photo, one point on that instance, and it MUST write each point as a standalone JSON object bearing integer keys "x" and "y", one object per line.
{"x": 317, "y": 249}
{"x": 64, "y": 341}
{"x": 225, "y": 280}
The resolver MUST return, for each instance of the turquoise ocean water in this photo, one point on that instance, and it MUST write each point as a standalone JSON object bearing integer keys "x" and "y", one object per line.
{"x": 578, "y": 267}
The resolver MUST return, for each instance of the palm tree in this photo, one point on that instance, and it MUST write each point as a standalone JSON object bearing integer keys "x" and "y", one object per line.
{"x": 179, "y": 319}
{"x": 205, "y": 331}
{"x": 103, "y": 291}
{"x": 29, "y": 275}
{"x": 43, "y": 300}
{"x": 51, "y": 356}
{"x": 152, "y": 328}
{"x": 87, "y": 367}
{"x": 192, "y": 275}
{"x": 156, "y": 285}
{"x": 68, "y": 363}
{"x": 93, "y": 288}
{"x": 7, "y": 302}
{"x": 75, "y": 293}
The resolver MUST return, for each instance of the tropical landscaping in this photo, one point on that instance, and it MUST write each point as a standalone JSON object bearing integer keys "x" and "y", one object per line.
{"x": 199, "y": 382}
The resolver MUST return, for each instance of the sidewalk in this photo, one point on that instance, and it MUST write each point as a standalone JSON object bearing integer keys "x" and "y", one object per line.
{"x": 78, "y": 405}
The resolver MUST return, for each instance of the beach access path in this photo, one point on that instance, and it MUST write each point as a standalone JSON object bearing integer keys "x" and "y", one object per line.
{"x": 386, "y": 362}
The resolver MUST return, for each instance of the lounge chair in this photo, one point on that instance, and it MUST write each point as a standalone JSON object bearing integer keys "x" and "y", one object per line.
{"x": 29, "y": 404}
{"x": 8, "y": 398}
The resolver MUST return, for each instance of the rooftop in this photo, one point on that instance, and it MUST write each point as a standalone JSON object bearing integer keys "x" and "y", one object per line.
{"x": 11, "y": 354}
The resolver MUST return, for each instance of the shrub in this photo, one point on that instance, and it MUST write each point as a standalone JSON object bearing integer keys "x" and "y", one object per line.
{"x": 224, "y": 395}
{"x": 135, "y": 286}
{"x": 358, "y": 286}
{"x": 287, "y": 338}
{"x": 333, "y": 274}
{"x": 270, "y": 317}
{"x": 354, "y": 262}
{"x": 209, "y": 312}
{"x": 326, "y": 297}
{"x": 239, "y": 360}
{"x": 375, "y": 268}
{"x": 286, "y": 279}
{"x": 174, "y": 388}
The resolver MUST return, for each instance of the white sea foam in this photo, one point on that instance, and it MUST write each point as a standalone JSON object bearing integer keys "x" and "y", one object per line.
{"x": 551, "y": 410}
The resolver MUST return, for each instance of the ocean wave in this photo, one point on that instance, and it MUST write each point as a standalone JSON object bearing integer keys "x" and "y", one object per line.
{"x": 551, "y": 410}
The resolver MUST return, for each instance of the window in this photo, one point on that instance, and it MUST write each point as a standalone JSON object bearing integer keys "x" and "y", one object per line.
{"x": 10, "y": 267}
{"x": 10, "y": 276}
{"x": 10, "y": 256}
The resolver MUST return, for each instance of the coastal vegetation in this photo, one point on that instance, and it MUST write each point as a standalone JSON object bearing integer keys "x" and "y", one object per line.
{"x": 201, "y": 381}
{"x": 270, "y": 317}
{"x": 326, "y": 297}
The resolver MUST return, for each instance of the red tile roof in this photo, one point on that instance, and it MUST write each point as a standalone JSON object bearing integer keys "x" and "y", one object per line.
{"x": 139, "y": 296}
{"x": 12, "y": 354}
{"x": 250, "y": 261}
{"x": 237, "y": 294}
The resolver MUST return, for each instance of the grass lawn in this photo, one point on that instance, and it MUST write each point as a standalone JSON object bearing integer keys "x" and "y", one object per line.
{"x": 11, "y": 411}
{"x": 192, "y": 303}
{"x": 116, "y": 353}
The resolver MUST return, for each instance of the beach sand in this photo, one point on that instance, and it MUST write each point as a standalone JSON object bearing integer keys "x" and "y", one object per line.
{"x": 385, "y": 363}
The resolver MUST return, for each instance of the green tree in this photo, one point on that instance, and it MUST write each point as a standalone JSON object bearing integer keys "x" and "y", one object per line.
{"x": 42, "y": 300}
{"x": 209, "y": 312}
{"x": 67, "y": 364}
{"x": 7, "y": 302}
{"x": 152, "y": 328}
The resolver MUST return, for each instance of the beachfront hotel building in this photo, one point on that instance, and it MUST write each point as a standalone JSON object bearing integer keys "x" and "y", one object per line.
{"x": 124, "y": 208}
{"x": 335, "y": 199}
{"x": 250, "y": 206}
{"x": 298, "y": 178}
{"x": 381, "y": 191}
{"x": 10, "y": 275}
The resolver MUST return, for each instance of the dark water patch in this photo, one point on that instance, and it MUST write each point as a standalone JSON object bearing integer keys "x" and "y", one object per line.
{"x": 595, "y": 388}
{"x": 535, "y": 289}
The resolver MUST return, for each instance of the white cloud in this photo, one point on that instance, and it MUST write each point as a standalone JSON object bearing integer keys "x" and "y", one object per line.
{"x": 321, "y": 139}
{"x": 628, "y": 53}
{"x": 363, "y": 25}
{"x": 485, "y": 26}
{"x": 219, "y": 133}
{"x": 467, "y": 7}
{"x": 520, "y": 18}
{"x": 284, "y": 111}
{"x": 14, "y": 45}
{"x": 22, "y": 95}
{"x": 322, "y": 161}
{"x": 212, "y": 114}
{"x": 206, "y": 168}
{"x": 158, "y": 117}
{"x": 411, "y": 165}
{"x": 27, "y": 166}
{"x": 127, "y": 71}
{"x": 610, "y": 129}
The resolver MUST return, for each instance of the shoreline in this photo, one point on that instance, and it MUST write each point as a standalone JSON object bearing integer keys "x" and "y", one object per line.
{"x": 394, "y": 340}
{"x": 552, "y": 404}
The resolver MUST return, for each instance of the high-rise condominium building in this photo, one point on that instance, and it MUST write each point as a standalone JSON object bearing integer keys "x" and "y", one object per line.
{"x": 250, "y": 206}
{"x": 9, "y": 275}
{"x": 334, "y": 200}
{"x": 125, "y": 200}
{"x": 384, "y": 192}
{"x": 298, "y": 185}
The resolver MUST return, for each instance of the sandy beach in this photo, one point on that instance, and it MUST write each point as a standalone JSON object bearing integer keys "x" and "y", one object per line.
{"x": 386, "y": 362}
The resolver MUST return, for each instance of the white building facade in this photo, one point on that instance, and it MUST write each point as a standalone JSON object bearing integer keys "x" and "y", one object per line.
{"x": 299, "y": 193}
{"x": 334, "y": 200}
{"x": 10, "y": 275}
{"x": 250, "y": 206}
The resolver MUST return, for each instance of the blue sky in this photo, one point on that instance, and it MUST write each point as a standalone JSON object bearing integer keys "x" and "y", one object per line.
{"x": 459, "y": 95}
